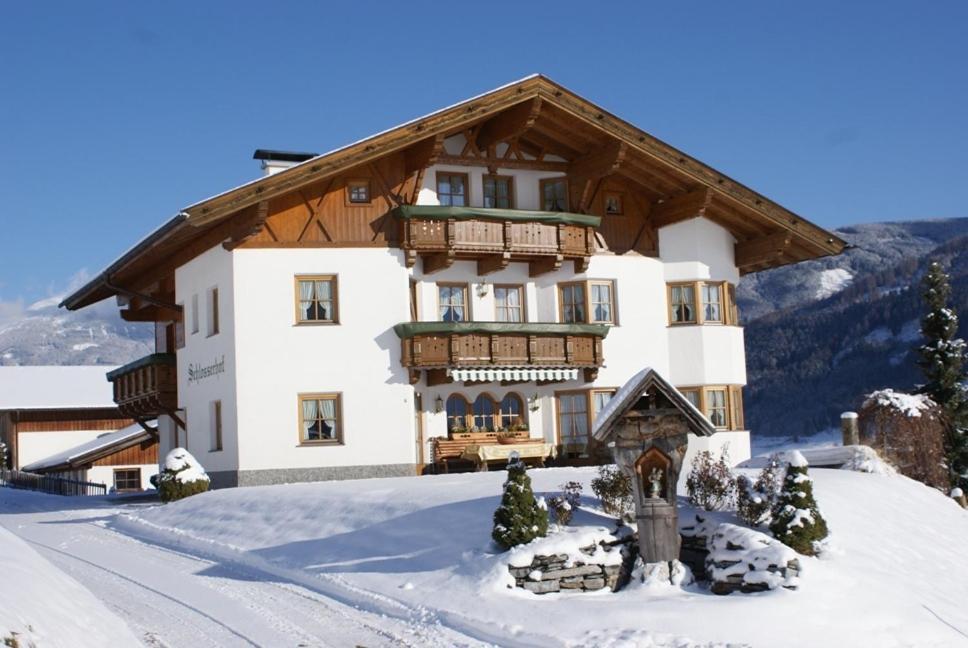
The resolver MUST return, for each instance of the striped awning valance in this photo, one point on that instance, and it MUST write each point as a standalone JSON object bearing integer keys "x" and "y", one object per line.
{"x": 476, "y": 374}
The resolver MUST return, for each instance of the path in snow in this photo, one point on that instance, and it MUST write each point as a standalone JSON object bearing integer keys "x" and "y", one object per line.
{"x": 174, "y": 599}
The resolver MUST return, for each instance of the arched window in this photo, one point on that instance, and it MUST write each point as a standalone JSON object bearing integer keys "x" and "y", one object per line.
{"x": 511, "y": 411}
{"x": 456, "y": 412}
{"x": 484, "y": 412}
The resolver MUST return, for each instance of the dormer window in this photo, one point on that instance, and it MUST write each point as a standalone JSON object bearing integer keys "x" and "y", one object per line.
{"x": 613, "y": 203}
{"x": 358, "y": 192}
{"x": 452, "y": 189}
{"x": 554, "y": 195}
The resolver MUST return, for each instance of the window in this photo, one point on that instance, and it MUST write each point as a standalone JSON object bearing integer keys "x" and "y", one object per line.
{"x": 484, "y": 413}
{"x": 703, "y": 302}
{"x": 319, "y": 418}
{"x": 127, "y": 480}
{"x": 613, "y": 203}
{"x": 216, "y": 425}
{"x": 712, "y": 302}
{"x": 452, "y": 189}
{"x": 213, "y": 312}
{"x": 316, "y": 299}
{"x": 602, "y": 309}
{"x": 358, "y": 192}
{"x": 554, "y": 194}
{"x": 511, "y": 411}
{"x": 599, "y": 307}
{"x": 194, "y": 314}
{"x": 721, "y": 404}
{"x": 452, "y": 300}
{"x": 497, "y": 192}
{"x": 682, "y": 299}
{"x": 572, "y": 302}
{"x": 456, "y": 413}
{"x": 509, "y": 303}
{"x": 413, "y": 301}
{"x": 600, "y": 398}
{"x": 573, "y": 421}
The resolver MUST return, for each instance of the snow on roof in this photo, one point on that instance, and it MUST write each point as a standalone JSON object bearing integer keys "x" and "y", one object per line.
{"x": 55, "y": 387}
{"x": 123, "y": 438}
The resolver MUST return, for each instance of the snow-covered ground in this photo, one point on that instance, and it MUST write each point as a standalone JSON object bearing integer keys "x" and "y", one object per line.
{"x": 409, "y": 561}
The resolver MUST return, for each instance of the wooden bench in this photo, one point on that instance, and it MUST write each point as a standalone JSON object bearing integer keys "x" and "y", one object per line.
{"x": 445, "y": 450}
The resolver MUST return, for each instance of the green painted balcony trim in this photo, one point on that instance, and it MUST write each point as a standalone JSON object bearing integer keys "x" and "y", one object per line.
{"x": 153, "y": 359}
{"x": 406, "y": 330}
{"x": 437, "y": 212}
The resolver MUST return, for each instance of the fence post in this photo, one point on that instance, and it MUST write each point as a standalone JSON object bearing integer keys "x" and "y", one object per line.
{"x": 849, "y": 428}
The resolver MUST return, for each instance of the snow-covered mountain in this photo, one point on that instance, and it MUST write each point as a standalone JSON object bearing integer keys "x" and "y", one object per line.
{"x": 43, "y": 334}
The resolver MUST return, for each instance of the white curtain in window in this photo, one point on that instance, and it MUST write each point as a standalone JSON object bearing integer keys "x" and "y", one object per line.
{"x": 310, "y": 410}
{"x": 305, "y": 299}
{"x": 328, "y": 414}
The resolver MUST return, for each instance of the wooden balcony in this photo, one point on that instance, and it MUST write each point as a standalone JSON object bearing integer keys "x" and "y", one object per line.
{"x": 146, "y": 387}
{"x": 495, "y": 237}
{"x": 506, "y": 351}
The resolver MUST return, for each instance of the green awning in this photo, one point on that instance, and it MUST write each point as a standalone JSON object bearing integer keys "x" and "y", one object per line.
{"x": 436, "y": 212}
{"x": 406, "y": 330}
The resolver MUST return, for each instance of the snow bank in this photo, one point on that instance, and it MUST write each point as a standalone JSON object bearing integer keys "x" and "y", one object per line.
{"x": 749, "y": 558}
{"x": 858, "y": 458}
{"x": 911, "y": 405}
{"x": 47, "y": 608}
{"x": 567, "y": 541}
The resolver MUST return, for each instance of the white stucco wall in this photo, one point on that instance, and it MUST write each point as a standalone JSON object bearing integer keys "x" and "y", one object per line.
{"x": 212, "y": 269}
{"x": 105, "y": 474}
{"x": 359, "y": 357}
{"x": 34, "y": 446}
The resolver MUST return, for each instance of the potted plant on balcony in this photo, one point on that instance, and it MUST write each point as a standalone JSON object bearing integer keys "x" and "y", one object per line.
{"x": 506, "y": 437}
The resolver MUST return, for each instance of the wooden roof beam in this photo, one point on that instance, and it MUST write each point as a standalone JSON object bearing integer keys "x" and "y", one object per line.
{"x": 764, "y": 249}
{"x": 509, "y": 125}
{"x": 423, "y": 154}
{"x": 681, "y": 207}
{"x": 601, "y": 163}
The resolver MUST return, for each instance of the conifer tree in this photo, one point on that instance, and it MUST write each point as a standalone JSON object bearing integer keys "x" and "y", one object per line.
{"x": 519, "y": 518}
{"x": 943, "y": 363}
{"x": 797, "y": 522}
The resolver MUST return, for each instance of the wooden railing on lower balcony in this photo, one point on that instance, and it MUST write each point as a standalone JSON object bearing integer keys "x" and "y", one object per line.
{"x": 439, "y": 346}
{"x": 146, "y": 387}
{"x": 495, "y": 237}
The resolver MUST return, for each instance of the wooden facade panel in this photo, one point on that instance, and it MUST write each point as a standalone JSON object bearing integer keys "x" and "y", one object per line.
{"x": 108, "y": 425}
{"x": 143, "y": 453}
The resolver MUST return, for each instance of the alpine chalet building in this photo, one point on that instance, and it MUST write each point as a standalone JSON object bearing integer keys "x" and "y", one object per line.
{"x": 496, "y": 268}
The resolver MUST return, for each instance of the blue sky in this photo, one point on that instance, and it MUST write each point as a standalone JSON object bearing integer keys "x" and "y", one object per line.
{"x": 115, "y": 115}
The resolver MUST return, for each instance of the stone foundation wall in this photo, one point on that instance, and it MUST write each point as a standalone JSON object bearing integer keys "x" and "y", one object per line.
{"x": 550, "y": 574}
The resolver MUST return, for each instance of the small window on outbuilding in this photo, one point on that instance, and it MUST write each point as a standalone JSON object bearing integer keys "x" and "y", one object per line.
{"x": 127, "y": 480}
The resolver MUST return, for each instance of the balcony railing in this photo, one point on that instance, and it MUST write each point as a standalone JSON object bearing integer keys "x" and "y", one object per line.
{"x": 146, "y": 387}
{"x": 495, "y": 237}
{"x": 500, "y": 350}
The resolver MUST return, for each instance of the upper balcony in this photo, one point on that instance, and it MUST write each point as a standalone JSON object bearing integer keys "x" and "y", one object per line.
{"x": 146, "y": 387}
{"x": 506, "y": 351}
{"x": 495, "y": 237}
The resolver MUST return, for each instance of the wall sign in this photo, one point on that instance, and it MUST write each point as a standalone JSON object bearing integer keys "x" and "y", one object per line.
{"x": 198, "y": 373}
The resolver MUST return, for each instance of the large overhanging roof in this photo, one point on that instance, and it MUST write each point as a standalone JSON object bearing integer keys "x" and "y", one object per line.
{"x": 524, "y": 99}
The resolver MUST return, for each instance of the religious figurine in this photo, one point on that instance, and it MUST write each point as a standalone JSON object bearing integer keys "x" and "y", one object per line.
{"x": 655, "y": 483}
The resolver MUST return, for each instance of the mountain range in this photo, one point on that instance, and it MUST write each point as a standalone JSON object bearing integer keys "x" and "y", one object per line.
{"x": 819, "y": 335}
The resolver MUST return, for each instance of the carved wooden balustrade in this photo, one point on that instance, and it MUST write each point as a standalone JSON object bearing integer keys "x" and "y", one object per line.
{"x": 441, "y": 347}
{"x": 495, "y": 237}
{"x": 146, "y": 387}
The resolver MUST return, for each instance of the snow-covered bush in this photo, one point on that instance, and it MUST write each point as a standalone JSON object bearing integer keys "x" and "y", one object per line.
{"x": 614, "y": 488}
{"x": 181, "y": 477}
{"x": 797, "y": 522}
{"x": 563, "y": 506}
{"x": 519, "y": 518}
{"x": 710, "y": 483}
{"x": 755, "y": 499}
{"x": 749, "y": 561}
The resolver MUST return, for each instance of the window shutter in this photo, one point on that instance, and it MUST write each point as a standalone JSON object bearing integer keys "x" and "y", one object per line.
{"x": 736, "y": 408}
{"x": 732, "y": 311}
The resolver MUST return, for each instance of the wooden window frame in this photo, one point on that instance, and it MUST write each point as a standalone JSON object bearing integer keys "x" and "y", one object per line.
{"x": 194, "y": 316}
{"x": 468, "y": 412}
{"x": 467, "y": 187}
{"x": 216, "y": 413}
{"x": 728, "y": 312}
{"x": 494, "y": 415}
{"x": 212, "y": 312}
{"x": 332, "y": 278}
{"x": 586, "y": 285}
{"x": 733, "y": 403}
{"x": 356, "y": 182}
{"x": 114, "y": 480}
{"x": 334, "y": 396}
{"x": 541, "y": 191}
{"x": 415, "y": 301}
{"x": 467, "y": 302}
{"x": 511, "y": 192}
{"x": 499, "y": 414}
{"x": 619, "y": 196}
{"x": 586, "y": 393}
{"x": 522, "y": 302}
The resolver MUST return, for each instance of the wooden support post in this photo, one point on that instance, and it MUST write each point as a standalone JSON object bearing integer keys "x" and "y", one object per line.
{"x": 849, "y": 429}
{"x": 546, "y": 264}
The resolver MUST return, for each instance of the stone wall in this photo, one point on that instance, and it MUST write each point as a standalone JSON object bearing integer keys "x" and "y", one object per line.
{"x": 553, "y": 574}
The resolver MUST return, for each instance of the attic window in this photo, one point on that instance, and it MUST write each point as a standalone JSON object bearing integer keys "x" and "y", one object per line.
{"x": 358, "y": 191}
{"x": 613, "y": 203}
